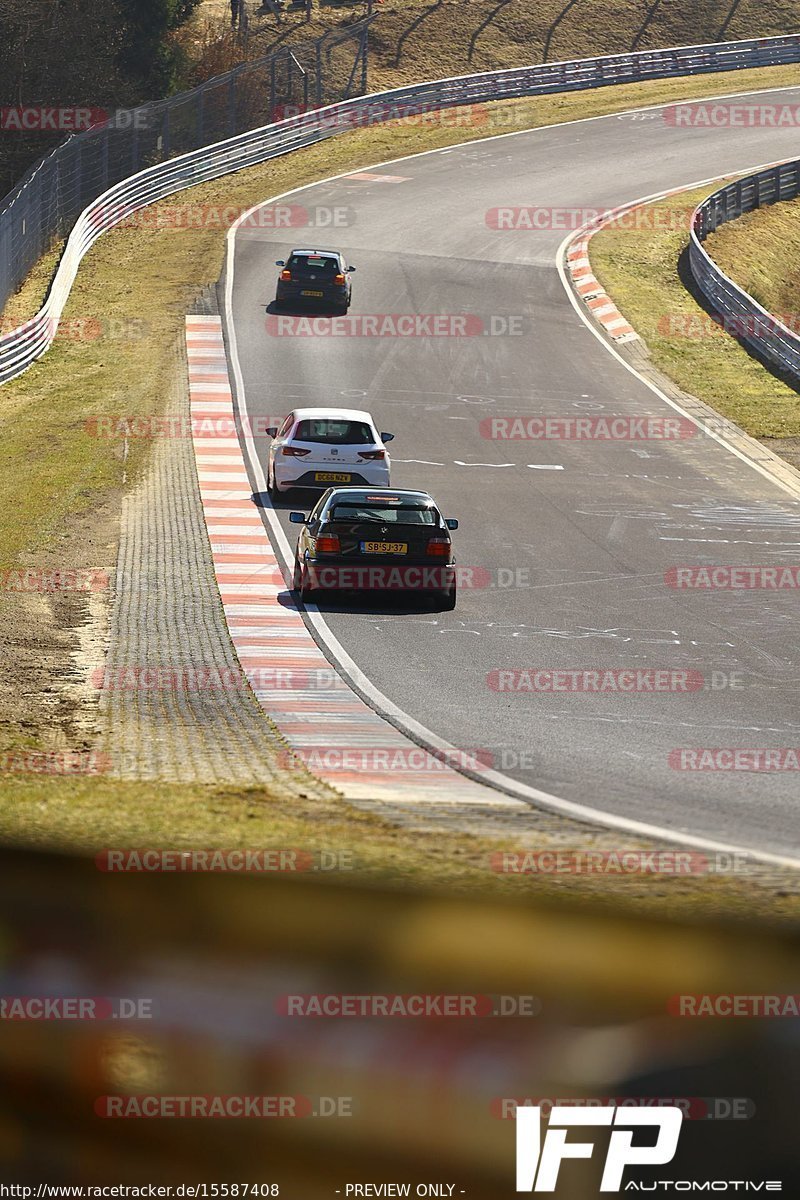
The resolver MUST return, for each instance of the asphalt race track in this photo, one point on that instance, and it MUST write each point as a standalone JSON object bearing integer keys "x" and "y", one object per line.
{"x": 583, "y": 530}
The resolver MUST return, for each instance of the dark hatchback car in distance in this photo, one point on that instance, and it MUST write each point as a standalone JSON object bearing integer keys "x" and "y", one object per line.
{"x": 375, "y": 540}
{"x": 319, "y": 277}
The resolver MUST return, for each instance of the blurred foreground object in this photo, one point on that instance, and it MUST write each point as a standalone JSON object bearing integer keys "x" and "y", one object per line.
{"x": 216, "y": 986}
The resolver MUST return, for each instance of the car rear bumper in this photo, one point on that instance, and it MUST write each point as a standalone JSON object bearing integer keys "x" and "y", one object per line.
{"x": 360, "y": 575}
{"x": 291, "y": 293}
{"x": 286, "y": 476}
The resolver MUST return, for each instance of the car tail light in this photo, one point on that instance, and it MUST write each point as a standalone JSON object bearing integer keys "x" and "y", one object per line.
{"x": 339, "y": 279}
{"x": 439, "y": 546}
{"x": 372, "y": 454}
{"x": 294, "y": 451}
{"x": 328, "y": 545}
{"x": 286, "y": 276}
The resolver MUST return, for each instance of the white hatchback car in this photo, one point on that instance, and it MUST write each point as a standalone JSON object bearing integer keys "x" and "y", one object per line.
{"x": 323, "y": 447}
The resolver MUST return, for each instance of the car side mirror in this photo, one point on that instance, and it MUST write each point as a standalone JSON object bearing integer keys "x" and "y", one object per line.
{"x": 349, "y": 268}
{"x": 451, "y": 523}
{"x": 280, "y": 262}
{"x": 387, "y": 437}
{"x": 297, "y": 518}
{"x": 271, "y": 430}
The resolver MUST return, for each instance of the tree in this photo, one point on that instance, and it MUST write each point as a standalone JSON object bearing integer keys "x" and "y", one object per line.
{"x": 149, "y": 57}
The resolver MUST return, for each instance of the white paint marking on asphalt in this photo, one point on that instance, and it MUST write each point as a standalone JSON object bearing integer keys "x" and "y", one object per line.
{"x": 458, "y": 463}
{"x": 423, "y": 462}
{"x": 347, "y": 665}
{"x": 545, "y": 467}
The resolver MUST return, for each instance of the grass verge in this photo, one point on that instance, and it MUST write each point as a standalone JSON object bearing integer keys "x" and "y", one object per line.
{"x": 761, "y": 252}
{"x": 85, "y": 815}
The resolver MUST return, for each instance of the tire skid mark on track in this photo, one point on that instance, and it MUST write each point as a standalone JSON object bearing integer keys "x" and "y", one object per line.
{"x": 324, "y": 722}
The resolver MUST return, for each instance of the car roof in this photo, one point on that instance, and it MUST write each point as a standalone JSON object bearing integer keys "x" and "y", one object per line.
{"x": 306, "y": 250}
{"x": 348, "y": 414}
{"x": 364, "y": 492}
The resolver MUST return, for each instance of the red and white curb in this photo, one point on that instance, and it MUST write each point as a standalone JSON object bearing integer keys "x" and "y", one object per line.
{"x": 590, "y": 290}
{"x": 588, "y": 287}
{"x": 324, "y": 721}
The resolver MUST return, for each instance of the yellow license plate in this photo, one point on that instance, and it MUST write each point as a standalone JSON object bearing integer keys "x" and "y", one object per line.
{"x": 384, "y": 547}
{"x": 332, "y": 477}
{"x": 311, "y": 293}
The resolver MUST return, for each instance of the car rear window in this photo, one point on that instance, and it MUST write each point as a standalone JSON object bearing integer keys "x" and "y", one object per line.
{"x": 335, "y": 433}
{"x": 314, "y": 262}
{"x": 396, "y": 514}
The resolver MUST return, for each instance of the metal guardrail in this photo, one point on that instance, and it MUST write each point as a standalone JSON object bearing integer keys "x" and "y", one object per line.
{"x": 734, "y": 308}
{"x": 21, "y": 347}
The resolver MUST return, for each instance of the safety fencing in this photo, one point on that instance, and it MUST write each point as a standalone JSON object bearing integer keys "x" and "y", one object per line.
{"x": 21, "y": 347}
{"x": 116, "y": 144}
{"x": 737, "y": 311}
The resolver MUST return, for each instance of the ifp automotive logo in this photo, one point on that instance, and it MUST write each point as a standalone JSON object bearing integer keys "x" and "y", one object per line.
{"x": 538, "y": 1164}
